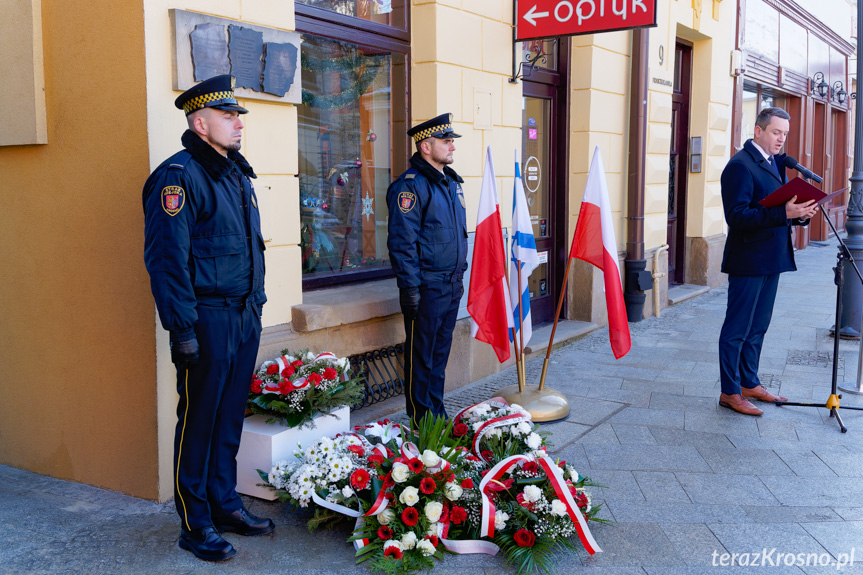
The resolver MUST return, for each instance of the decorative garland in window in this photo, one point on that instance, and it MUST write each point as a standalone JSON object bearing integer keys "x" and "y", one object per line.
{"x": 362, "y": 69}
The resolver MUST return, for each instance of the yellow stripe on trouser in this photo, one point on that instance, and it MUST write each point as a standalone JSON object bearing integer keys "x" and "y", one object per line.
{"x": 411, "y": 378}
{"x": 180, "y": 451}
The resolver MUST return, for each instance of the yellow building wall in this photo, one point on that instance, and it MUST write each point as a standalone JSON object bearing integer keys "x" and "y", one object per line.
{"x": 270, "y": 145}
{"x": 77, "y": 392}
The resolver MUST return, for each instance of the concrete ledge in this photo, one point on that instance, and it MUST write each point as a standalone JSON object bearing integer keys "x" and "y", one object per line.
{"x": 327, "y": 308}
{"x": 680, "y": 293}
{"x": 566, "y": 330}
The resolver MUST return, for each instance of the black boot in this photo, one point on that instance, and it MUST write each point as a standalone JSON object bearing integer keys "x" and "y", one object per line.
{"x": 206, "y": 544}
{"x": 243, "y": 522}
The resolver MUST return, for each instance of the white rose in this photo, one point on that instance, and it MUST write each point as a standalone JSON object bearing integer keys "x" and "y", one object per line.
{"x": 409, "y": 540}
{"x": 533, "y": 441}
{"x": 524, "y": 427}
{"x": 410, "y": 496}
{"x": 425, "y": 547}
{"x": 573, "y": 474}
{"x": 309, "y": 356}
{"x": 452, "y": 491}
{"x": 532, "y": 493}
{"x": 386, "y": 516}
{"x": 347, "y": 491}
{"x": 558, "y": 508}
{"x": 434, "y": 528}
{"x": 400, "y": 472}
{"x": 430, "y": 458}
{"x": 392, "y": 543}
{"x": 500, "y": 519}
{"x": 433, "y": 509}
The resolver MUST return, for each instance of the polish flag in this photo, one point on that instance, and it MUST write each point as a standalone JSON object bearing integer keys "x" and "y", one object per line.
{"x": 487, "y": 299}
{"x": 594, "y": 242}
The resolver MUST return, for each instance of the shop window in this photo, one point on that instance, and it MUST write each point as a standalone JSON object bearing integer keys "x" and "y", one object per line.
{"x": 352, "y": 144}
{"x": 384, "y": 12}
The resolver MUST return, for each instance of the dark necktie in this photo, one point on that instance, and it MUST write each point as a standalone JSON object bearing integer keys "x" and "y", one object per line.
{"x": 773, "y": 165}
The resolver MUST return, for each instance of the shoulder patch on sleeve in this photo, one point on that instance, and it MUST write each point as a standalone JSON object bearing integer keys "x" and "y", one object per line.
{"x": 407, "y": 201}
{"x": 173, "y": 199}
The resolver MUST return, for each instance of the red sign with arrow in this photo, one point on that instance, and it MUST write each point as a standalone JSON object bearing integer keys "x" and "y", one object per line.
{"x": 549, "y": 18}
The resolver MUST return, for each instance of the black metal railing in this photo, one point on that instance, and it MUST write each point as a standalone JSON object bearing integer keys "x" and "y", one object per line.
{"x": 381, "y": 371}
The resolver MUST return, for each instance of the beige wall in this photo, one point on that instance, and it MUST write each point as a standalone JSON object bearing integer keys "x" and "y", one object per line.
{"x": 77, "y": 393}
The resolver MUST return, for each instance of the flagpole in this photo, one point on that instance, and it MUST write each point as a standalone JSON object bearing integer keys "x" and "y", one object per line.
{"x": 512, "y": 329}
{"x": 554, "y": 326}
{"x": 521, "y": 377}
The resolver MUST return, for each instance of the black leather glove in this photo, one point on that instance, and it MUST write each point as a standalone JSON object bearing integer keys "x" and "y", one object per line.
{"x": 409, "y": 300}
{"x": 184, "y": 354}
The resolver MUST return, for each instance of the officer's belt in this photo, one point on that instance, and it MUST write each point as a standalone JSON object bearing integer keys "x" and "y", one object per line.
{"x": 441, "y": 277}
{"x": 225, "y": 302}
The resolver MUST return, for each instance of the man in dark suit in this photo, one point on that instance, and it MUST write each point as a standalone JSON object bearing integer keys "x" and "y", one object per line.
{"x": 757, "y": 250}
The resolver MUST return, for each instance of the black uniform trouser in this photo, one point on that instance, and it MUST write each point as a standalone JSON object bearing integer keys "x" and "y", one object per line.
{"x": 210, "y": 414}
{"x": 427, "y": 347}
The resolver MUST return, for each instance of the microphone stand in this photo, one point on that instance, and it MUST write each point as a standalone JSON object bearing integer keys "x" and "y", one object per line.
{"x": 842, "y": 256}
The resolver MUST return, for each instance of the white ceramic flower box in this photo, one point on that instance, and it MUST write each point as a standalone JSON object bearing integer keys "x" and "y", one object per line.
{"x": 264, "y": 444}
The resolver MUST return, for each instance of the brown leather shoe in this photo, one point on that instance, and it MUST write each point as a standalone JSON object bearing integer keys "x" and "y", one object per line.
{"x": 761, "y": 394}
{"x": 738, "y": 404}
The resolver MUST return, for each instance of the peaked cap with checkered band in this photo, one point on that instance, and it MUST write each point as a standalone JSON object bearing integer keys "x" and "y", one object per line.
{"x": 440, "y": 127}
{"x": 217, "y": 92}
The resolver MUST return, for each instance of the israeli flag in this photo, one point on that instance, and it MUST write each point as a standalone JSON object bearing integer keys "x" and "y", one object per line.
{"x": 523, "y": 252}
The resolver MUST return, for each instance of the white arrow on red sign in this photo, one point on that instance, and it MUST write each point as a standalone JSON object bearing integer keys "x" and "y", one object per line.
{"x": 532, "y": 15}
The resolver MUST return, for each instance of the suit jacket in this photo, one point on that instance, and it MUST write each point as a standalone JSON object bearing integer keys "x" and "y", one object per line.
{"x": 759, "y": 238}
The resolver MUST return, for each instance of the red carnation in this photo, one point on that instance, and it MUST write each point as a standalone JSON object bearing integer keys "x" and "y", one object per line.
{"x": 390, "y": 495}
{"x": 376, "y": 459}
{"x": 272, "y": 369}
{"x": 433, "y": 539}
{"x": 410, "y": 516}
{"x": 256, "y": 386}
{"x": 457, "y": 515}
{"x": 315, "y": 378}
{"x": 524, "y": 538}
{"x": 486, "y": 454}
{"x": 460, "y": 429}
{"x": 393, "y": 551}
{"x": 415, "y": 465}
{"x": 288, "y": 371}
{"x": 285, "y": 387}
{"x": 467, "y": 483}
{"x": 473, "y": 458}
{"x": 296, "y": 364}
{"x": 562, "y": 464}
{"x": 389, "y": 451}
{"x": 427, "y": 485}
{"x": 388, "y": 480}
{"x": 360, "y": 479}
{"x": 530, "y": 467}
{"x": 385, "y": 532}
{"x": 330, "y": 373}
{"x": 358, "y": 449}
{"x": 581, "y": 499}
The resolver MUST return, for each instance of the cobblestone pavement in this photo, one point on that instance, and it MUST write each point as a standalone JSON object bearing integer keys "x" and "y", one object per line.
{"x": 687, "y": 483}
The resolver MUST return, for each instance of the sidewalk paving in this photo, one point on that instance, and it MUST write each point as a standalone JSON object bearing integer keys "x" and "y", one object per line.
{"x": 686, "y": 481}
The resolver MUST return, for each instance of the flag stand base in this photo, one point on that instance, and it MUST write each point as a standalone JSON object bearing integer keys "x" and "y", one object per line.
{"x": 544, "y": 405}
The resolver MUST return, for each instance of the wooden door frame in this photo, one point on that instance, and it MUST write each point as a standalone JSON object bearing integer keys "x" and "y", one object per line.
{"x": 678, "y": 274}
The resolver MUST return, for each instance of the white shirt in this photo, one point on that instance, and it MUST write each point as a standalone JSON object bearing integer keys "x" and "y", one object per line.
{"x": 763, "y": 153}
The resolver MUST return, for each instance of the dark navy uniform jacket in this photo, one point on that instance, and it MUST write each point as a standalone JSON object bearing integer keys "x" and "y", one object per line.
{"x": 203, "y": 243}
{"x": 427, "y": 227}
{"x": 759, "y": 238}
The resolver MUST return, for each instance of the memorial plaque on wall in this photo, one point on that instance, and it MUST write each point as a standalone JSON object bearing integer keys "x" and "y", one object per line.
{"x": 209, "y": 51}
{"x": 246, "y": 50}
{"x": 265, "y": 61}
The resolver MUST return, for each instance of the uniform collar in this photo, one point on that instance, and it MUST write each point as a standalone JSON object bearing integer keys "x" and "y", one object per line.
{"x": 215, "y": 163}
{"x": 423, "y": 167}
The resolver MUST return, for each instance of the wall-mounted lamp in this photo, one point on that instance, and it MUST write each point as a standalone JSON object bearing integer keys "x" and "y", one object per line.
{"x": 817, "y": 85}
{"x": 839, "y": 93}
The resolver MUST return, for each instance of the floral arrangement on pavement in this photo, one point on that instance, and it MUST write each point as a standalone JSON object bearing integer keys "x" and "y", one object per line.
{"x": 294, "y": 389}
{"x": 481, "y": 483}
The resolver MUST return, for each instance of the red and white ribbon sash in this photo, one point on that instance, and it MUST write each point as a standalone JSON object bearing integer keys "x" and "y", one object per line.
{"x": 470, "y": 546}
{"x": 555, "y": 476}
{"x": 379, "y": 505}
{"x": 360, "y": 543}
{"x": 498, "y": 402}
{"x": 494, "y": 474}
{"x": 411, "y": 451}
{"x": 487, "y": 426}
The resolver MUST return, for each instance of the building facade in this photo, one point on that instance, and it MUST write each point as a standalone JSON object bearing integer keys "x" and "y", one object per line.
{"x": 93, "y": 114}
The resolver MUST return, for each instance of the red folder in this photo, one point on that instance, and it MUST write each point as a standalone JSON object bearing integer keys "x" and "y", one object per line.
{"x": 800, "y": 188}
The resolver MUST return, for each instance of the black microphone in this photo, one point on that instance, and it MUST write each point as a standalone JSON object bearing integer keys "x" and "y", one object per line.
{"x": 791, "y": 162}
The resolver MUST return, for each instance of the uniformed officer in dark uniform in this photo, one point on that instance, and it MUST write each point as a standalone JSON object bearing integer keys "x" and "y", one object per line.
{"x": 428, "y": 251}
{"x": 205, "y": 255}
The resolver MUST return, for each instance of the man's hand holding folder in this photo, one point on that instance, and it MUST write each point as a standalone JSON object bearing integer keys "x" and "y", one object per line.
{"x": 801, "y": 199}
